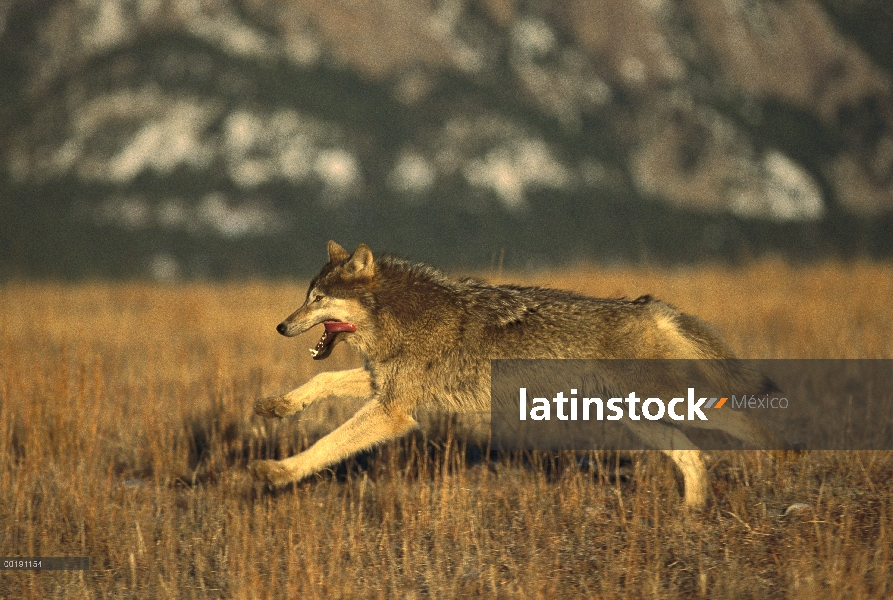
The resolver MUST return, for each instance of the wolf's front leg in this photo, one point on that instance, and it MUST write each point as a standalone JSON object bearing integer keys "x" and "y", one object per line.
{"x": 373, "y": 424}
{"x": 354, "y": 382}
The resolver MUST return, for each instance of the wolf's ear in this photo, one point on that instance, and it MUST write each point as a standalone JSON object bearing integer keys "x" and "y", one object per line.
{"x": 361, "y": 264}
{"x": 336, "y": 252}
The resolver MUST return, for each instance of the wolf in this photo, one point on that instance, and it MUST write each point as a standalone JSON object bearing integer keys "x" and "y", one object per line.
{"x": 427, "y": 341}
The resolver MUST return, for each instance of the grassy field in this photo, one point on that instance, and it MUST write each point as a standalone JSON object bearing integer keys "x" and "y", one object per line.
{"x": 126, "y": 423}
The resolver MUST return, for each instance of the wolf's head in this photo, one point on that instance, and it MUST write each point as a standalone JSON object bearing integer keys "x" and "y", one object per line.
{"x": 335, "y": 298}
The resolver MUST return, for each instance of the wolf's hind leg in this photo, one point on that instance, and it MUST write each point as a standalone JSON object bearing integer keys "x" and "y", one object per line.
{"x": 694, "y": 476}
{"x": 683, "y": 452}
{"x": 373, "y": 424}
{"x": 353, "y": 382}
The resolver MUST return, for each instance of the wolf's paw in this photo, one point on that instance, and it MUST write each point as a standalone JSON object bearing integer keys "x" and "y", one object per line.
{"x": 270, "y": 472}
{"x": 276, "y": 406}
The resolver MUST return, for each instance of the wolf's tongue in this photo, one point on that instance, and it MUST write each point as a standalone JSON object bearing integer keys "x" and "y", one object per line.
{"x": 336, "y": 326}
{"x": 323, "y": 346}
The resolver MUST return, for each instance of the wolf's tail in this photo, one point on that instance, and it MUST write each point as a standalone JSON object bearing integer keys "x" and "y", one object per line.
{"x": 733, "y": 376}
{"x": 718, "y": 365}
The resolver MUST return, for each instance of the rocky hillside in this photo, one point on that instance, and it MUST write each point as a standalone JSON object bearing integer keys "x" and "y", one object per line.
{"x": 223, "y": 137}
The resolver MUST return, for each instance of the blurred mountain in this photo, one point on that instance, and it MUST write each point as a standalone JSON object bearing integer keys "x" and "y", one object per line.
{"x": 225, "y": 138}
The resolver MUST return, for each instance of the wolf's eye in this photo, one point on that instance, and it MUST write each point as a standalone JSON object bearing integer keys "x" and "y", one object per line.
{"x": 317, "y": 298}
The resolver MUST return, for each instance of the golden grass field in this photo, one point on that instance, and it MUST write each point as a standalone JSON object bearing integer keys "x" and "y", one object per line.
{"x": 126, "y": 423}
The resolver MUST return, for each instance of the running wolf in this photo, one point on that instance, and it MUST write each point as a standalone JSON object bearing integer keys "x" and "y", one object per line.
{"x": 428, "y": 339}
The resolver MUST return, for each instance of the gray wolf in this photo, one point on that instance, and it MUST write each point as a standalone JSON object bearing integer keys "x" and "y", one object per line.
{"x": 427, "y": 340}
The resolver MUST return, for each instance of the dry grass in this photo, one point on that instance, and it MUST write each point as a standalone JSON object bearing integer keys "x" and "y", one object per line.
{"x": 126, "y": 423}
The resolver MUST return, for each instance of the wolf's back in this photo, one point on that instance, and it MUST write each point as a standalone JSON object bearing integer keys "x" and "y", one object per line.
{"x": 516, "y": 322}
{"x": 460, "y": 325}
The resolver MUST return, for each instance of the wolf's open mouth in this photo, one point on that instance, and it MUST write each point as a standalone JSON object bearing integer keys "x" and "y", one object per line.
{"x": 324, "y": 345}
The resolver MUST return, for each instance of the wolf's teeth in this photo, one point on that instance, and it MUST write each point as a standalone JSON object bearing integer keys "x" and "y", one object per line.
{"x": 313, "y": 352}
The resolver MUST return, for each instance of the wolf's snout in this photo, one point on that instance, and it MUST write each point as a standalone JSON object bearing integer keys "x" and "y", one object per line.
{"x": 282, "y": 328}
